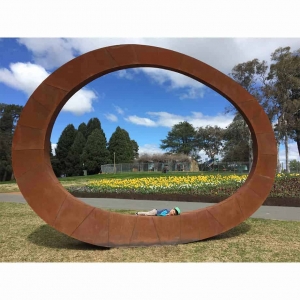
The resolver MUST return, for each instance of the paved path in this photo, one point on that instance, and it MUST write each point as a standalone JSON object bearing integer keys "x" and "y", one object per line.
{"x": 264, "y": 212}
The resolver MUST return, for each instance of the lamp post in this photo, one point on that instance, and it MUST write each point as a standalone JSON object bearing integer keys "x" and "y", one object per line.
{"x": 84, "y": 173}
{"x": 115, "y": 162}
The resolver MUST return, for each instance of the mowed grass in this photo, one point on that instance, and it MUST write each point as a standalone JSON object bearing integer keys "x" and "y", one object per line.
{"x": 24, "y": 237}
{"x": 11, "y": 186}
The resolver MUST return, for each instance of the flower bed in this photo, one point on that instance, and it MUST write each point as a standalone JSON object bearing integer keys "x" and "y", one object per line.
{"x": 286, "y": 185}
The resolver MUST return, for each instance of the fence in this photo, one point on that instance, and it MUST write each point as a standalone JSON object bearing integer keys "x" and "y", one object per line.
{"x": 245, "y": 167}
{"x": 216, "y": 166}
{"x": 146, "y": 167}
{"x": 209, "y": 166}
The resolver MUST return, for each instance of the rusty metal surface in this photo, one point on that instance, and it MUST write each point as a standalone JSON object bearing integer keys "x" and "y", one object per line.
{"x": 58, "y": 208}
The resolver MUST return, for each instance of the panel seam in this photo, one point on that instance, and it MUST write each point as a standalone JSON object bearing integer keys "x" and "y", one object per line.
{"x": 156, "y": 230}
{"x": 216, "y": 220}
{"x": 82, "y": 221}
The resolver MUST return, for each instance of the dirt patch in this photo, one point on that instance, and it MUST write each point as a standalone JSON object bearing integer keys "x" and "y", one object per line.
{"x": 270, "y": 201}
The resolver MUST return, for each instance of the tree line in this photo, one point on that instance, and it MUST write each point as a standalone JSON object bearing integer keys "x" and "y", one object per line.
{"x": 86, "y": 148}
{"x": 277, "y": 88}
{"x": 231, "y": 143}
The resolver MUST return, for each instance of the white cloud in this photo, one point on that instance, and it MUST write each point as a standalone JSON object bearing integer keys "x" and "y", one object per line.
{"x": 192, "y": 93}
{"x": 81, "y": 102}
{"x": 53, "y": 52}
{"x": 165, "y": 119}
{"x": 169, "y": 80}
{"x": 124, "y": 74}
{"x": 26, "y": 77}
{"x": 53, "y": 147}
{"x": 141, "y": 121}
{"x": 50, "y": 53}
{"x": 23, "y": 76}
{"x": 293, "y": 153}
{"x": 119, "y": 110}
{"x": 150, "y": 149}
{"x": 220, "y": 53}
{"x": 111, "y": 117}
{"x": 174, "y": 81}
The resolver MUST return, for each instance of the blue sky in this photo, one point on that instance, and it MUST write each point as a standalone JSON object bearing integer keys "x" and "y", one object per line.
{"x": 146, "y": 102}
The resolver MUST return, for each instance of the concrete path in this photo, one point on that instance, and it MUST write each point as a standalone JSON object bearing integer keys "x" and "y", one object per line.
{"x": 264, "y": 212}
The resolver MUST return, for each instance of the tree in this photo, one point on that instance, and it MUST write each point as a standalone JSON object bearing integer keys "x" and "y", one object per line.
{"x": 252, "y": 76}
{"x": 295, "y": 166}
{"x": 95, "y": 152}
{"x": 135, "y": 148}
{"x": 236, "y": 146}
{"x": 210, "y": 139}
{"x": 121, "y": 146}
{"x": 181, "y": 139}
{"x": 83, "y": 129}
{"x": 93, "y": 123}
{"x": 64, "y": 144}
{"x": 9, "y": 115}
{"x": 284, "y": 89}
{"x": 73, "y": 160}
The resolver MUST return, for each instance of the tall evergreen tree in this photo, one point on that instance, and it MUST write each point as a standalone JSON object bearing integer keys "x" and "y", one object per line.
{"x": 93, "y": 123}
{"x": 9, "y": 115}
{"x": 135, "y": 148}
{"x": 73, "y": 161}
{"x": 95, "y": 152}
{"x": 83, "y": 129}
{"x": 121, "y": 144}
{"x": 64, "y": 145}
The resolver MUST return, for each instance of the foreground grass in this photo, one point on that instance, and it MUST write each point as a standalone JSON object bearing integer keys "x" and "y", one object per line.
{"x": 11, "y": 186}
{"x": 24, "y": 237}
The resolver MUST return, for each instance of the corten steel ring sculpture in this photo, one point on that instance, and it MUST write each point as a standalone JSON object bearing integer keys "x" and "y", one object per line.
{"x": 57, "y": 207}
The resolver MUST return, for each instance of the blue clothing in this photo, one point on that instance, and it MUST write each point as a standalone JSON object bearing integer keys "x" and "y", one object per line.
{"x": 162, "y": 212}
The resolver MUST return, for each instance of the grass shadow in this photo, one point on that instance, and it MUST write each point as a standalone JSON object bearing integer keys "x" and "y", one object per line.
{"x": 48, "y": 237}
{"x": 242, "y": 228}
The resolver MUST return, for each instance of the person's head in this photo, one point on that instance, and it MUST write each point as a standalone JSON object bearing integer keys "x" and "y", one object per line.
{"x": 175, "y": 211}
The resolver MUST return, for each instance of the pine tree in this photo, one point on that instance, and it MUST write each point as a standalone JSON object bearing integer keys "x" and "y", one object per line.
{"x": 83, "y": 129}
{"x": 120, "y": 144}
{"x": 9, "y": 115}
{"x": 63, "y": 147}
{"x": 73, "y": 162}
{"x": 93, "y": 123}
{"x": 135, "y": 148}
{"x": 95, "y": 152}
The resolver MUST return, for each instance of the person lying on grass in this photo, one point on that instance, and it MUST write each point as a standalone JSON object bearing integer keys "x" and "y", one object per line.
{"x": 162, "y": 212}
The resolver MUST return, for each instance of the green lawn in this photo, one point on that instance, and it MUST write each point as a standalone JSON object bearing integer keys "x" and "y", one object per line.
{"x": 24, "y": 237}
